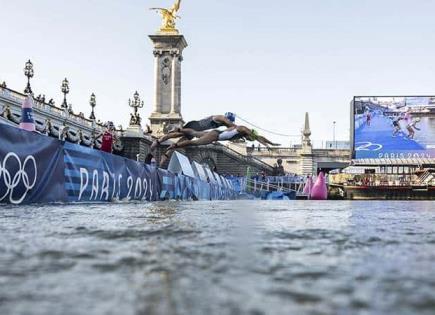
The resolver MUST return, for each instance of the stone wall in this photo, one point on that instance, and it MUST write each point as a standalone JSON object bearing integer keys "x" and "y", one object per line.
{"x": 134, "y": 146}
{"x": 226, "y": 160}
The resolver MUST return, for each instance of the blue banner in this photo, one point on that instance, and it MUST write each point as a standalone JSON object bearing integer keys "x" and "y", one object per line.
{"x": 96, "y": 176}
{"x": 31, "y": 167}
{"x": 39, "y": 169}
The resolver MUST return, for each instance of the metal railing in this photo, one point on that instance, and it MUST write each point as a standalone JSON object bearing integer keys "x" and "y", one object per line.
{"x": 254, "y": 186}
{"x": 16, "y": 98}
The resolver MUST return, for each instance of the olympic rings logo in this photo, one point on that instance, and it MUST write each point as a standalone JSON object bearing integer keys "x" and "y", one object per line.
{"x": 12, "y": 182}
{"x": 368, "y": 146}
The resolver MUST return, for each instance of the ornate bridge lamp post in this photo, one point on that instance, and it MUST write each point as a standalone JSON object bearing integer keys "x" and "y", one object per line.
{"x": 136, "y": 103}
{"x": 28, "y": 72}
{"x": 93, "y": 103}
{"x": 65, "y": 91}
{"x": 133, "y": 137}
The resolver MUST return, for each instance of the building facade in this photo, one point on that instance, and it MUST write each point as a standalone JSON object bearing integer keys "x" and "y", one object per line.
{"x": 301, "y": 159}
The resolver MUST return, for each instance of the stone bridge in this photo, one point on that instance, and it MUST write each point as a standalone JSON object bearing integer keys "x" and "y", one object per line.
{"x": 224, "y": 159}
{"x": 296, "y": 160}
{"x": 301, "y": 159}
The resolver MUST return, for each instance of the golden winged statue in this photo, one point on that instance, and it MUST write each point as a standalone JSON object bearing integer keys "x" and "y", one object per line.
{"x": 169, "y": 16}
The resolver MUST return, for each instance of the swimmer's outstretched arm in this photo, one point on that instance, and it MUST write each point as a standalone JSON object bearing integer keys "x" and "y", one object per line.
{"x": 224, "y": 121}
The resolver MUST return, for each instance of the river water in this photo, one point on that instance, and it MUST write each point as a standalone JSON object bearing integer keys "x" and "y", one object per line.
{"x": 239, "y": 257}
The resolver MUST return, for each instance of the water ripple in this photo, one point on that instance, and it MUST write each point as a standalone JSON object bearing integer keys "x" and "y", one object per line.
{"x": 218, "y": 258}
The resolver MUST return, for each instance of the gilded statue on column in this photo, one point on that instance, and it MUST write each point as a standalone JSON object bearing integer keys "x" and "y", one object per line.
{"x": 168, "y": 17}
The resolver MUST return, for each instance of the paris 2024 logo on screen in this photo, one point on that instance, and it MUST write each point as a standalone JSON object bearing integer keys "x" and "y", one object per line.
{"x": 394, "y": 127}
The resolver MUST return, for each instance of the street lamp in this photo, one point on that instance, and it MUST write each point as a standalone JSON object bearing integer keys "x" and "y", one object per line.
{"x": 28, "y": 72}
{"x": 136, "y": 103}
{"x": 65, "y": 91}
{"x": 93, "y": 103}
{"x": 333, "y": 135}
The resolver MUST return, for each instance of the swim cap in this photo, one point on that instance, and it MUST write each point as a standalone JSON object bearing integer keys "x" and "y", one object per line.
{"x": 230, "y": 116}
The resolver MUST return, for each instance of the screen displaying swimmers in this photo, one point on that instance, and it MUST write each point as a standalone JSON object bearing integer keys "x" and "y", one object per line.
{"x": 394, "y": 127}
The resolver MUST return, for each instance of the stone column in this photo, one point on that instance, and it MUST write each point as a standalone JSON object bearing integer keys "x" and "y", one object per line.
{"x": 157, "y": 108}
{"x": 173, "y": 84}
{"x": 178, "y": 84}
{"x": 307, "y": 163}
{"x": 168, "y": 50}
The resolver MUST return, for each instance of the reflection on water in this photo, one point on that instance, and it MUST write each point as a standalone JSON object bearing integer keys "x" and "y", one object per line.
{"x": 219, "y": 258}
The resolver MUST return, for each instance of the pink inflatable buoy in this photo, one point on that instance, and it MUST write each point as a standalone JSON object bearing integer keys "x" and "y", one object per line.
{"x": 27, "y": 122}
{"x": 320, "y": 190}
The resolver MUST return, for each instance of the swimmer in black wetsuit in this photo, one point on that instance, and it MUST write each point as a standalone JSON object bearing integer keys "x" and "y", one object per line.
{"x": 205, "y": 138}
{"x": 211, "y": 122}
{"x": 396, "y": 125}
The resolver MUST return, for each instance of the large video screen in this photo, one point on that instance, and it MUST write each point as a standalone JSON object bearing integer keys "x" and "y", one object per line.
{"x": 394, "y": 127}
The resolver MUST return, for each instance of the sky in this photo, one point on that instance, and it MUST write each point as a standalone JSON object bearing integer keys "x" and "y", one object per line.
{"x": 267, "y": 61}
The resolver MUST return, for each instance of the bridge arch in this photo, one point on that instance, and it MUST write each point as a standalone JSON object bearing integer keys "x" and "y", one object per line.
{"x": 205, "y": 157}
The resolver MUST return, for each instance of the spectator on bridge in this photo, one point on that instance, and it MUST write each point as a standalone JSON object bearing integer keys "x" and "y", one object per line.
{"x": 107, "y": 139}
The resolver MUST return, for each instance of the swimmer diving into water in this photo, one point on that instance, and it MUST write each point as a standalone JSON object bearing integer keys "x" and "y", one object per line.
{"x": 208, "y": 137}
{"x": 211, "y": 122}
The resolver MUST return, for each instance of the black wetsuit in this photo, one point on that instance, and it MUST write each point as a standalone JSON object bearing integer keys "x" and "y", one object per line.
{"x": 203, "y": 124}
{"x": 396, "y": 122}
